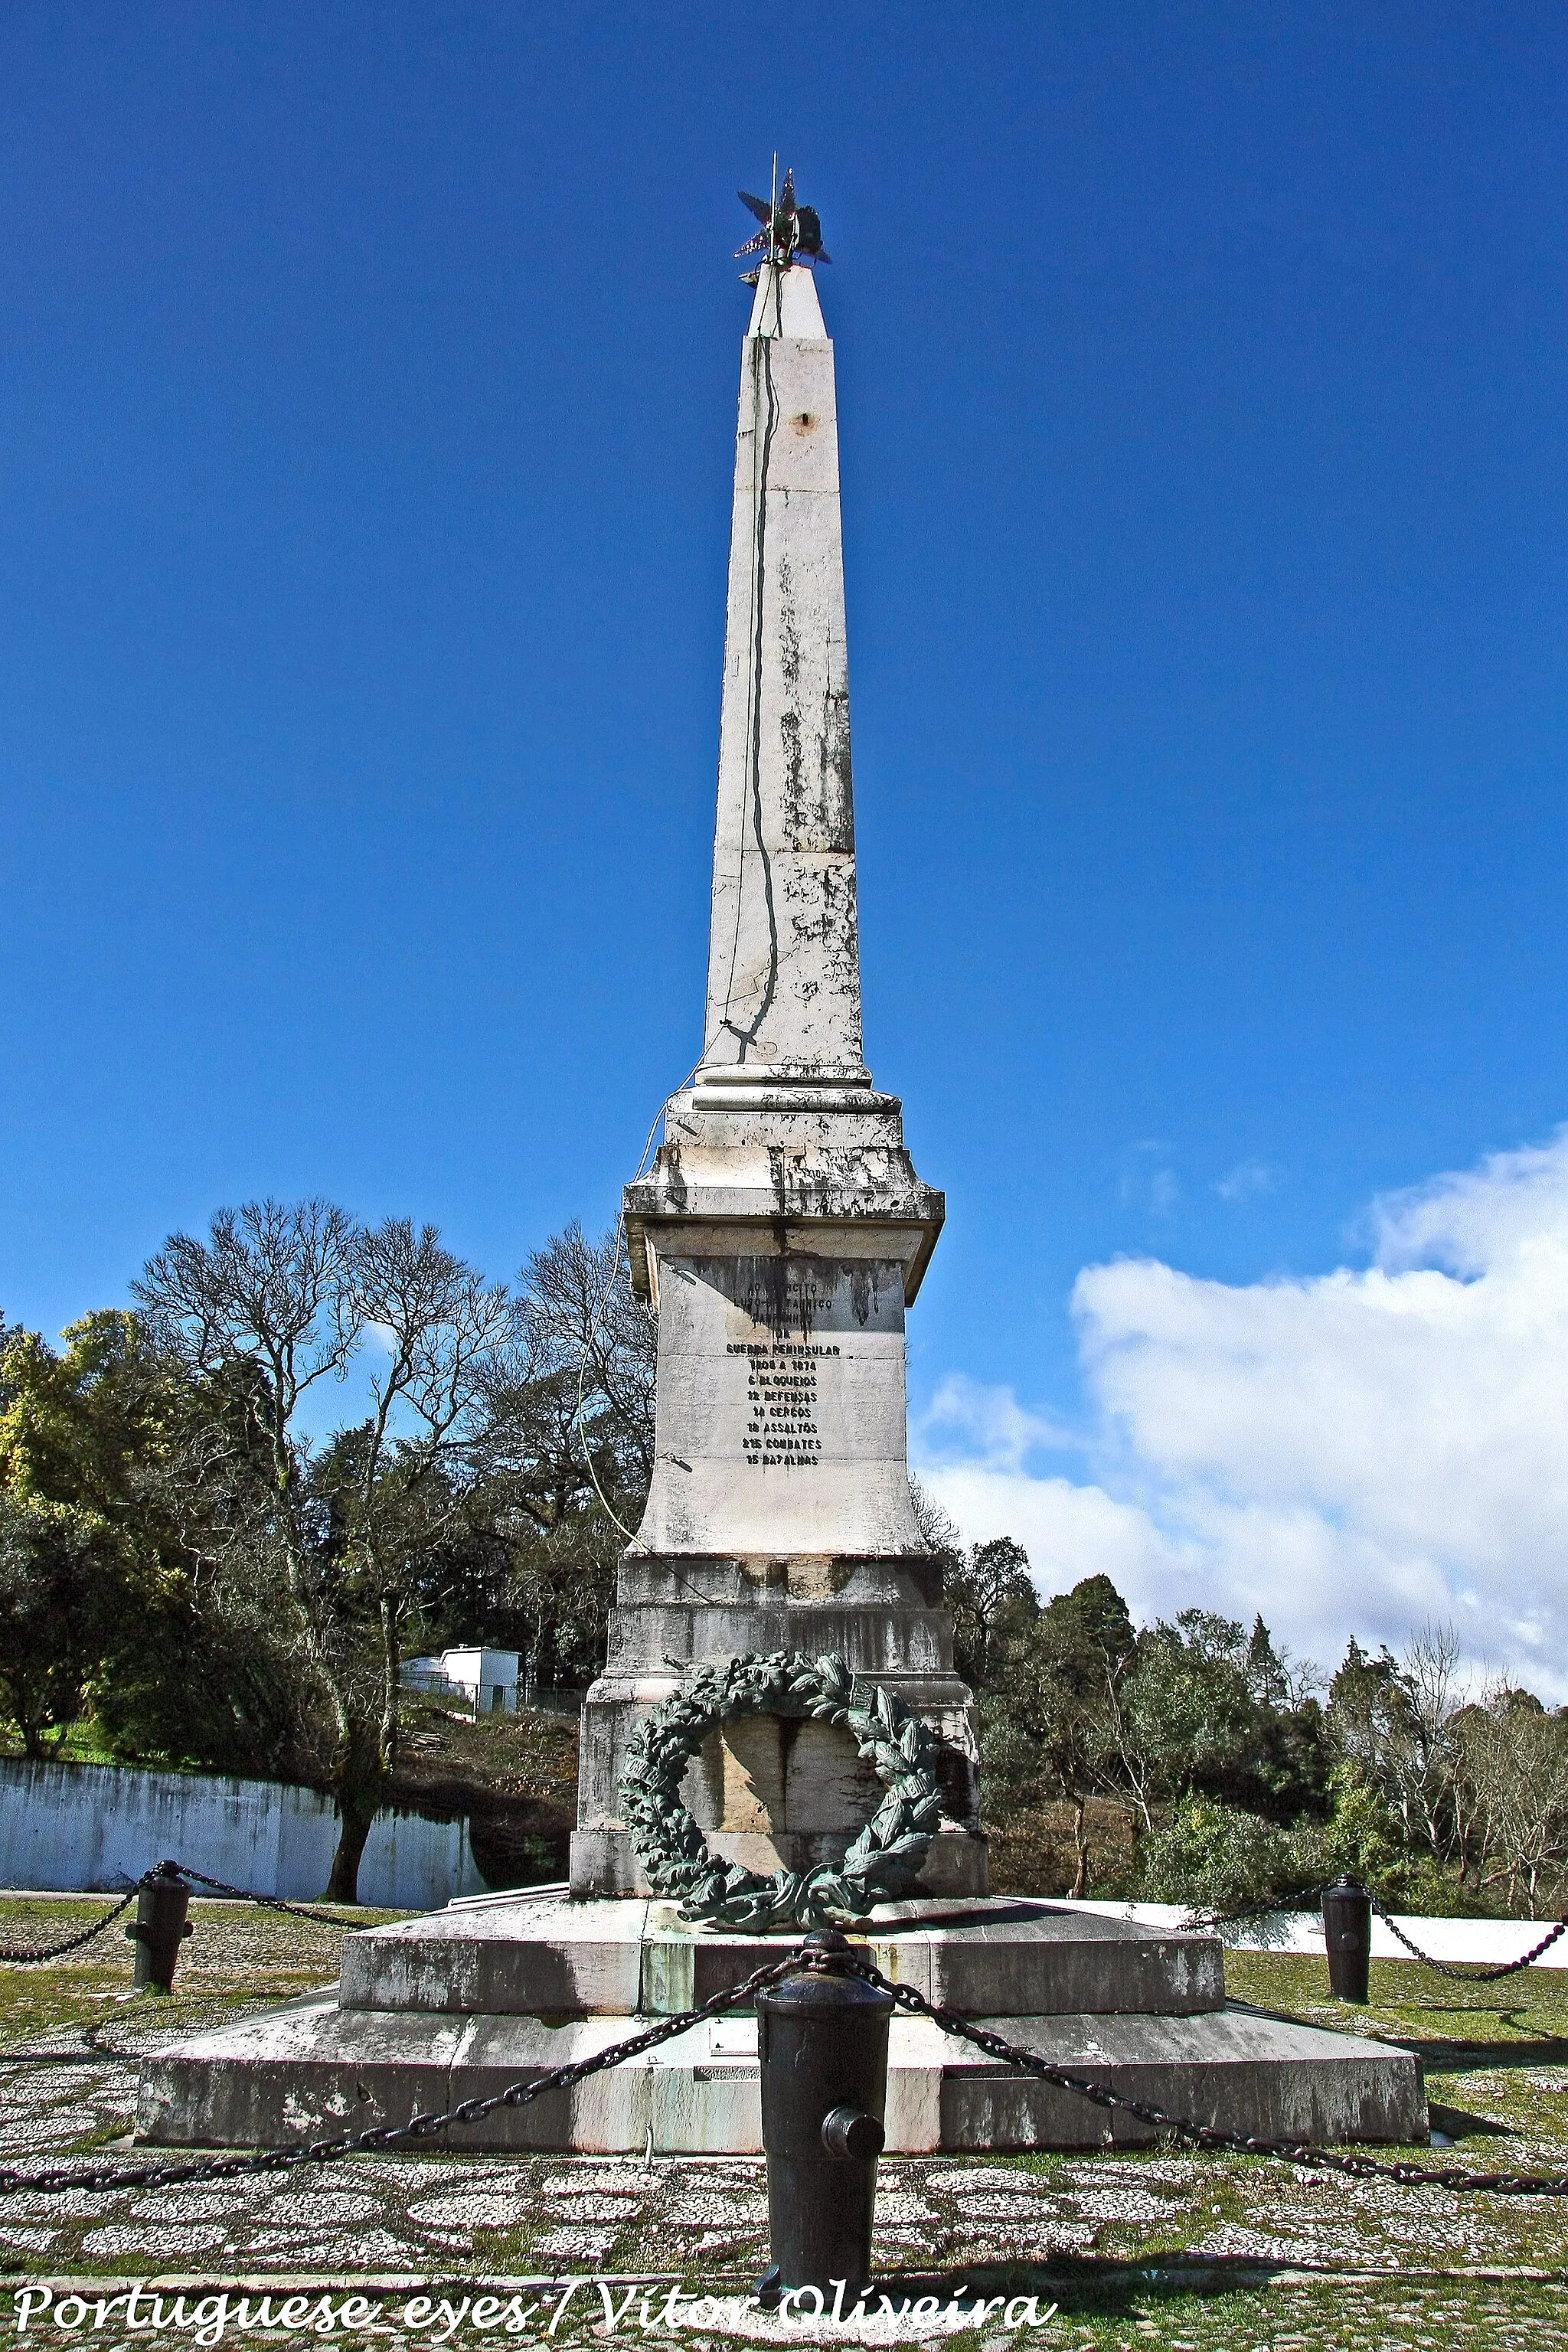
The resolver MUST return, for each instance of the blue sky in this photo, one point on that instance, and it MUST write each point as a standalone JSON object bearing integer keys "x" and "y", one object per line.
{"x": 367, "y": 379}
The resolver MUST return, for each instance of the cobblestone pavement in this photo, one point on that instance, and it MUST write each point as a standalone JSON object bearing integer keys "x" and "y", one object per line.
{"x": 1086, "y": 2225}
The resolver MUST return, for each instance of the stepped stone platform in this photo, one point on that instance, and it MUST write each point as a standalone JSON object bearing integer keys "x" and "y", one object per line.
{"x": 458, "y": 2003}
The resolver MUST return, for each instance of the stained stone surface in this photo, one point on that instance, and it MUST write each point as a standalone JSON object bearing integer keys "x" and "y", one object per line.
{"x": 315, "y": 2069}
{"x": 782, "y": 1231}
{"x": 999, "y": 1955}
{"x": 784, "y": 976}
{"x": 457, "y": 2005}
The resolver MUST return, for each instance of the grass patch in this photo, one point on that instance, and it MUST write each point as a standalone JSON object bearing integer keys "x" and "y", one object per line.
{"x": 237, "y": 1953}
{"x": 1164, "y": 2247}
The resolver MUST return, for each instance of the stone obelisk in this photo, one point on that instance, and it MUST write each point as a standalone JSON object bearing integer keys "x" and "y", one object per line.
{"x": 782, "y": 1231}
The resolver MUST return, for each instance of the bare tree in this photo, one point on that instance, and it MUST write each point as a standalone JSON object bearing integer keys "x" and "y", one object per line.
{"x": 278, "y": 1299}
{"x": 1396, "y": 1719}
{"x": 1430, "y": 1760}
{"x": 568, "y": 1446}
{"x": 582, "y": 1318}
{"x": 1515, "y": 1758}
{"x": 940, "y": 1530}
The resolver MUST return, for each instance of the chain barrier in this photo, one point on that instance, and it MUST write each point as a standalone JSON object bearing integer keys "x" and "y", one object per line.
{"x": 267, "y": 1902}
{"x": 30, "y": 1955}
{"x": 419, "y": 2128}
{"x": 1201, "y": 1922}
{"x": 1213, "y": 2135}
{"x": 422, "y": 2126}
{"x": 1466, "y": 1974}
{"x": 24, "y": 1955}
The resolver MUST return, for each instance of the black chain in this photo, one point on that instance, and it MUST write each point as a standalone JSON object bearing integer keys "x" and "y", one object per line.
{"x": 1471, "y": 1975}
{"x": 522, "y": 2093}
{"x": 1213, "y": 2135}
{"x": 419, "y": 2128}
{"x": 24, "y": 1955}
{"x": 21, "y": 1956}
{"x": 1207, "y": 1922}
{"x": 1210, "y": 1921}
{"x": 248, "y": 1894}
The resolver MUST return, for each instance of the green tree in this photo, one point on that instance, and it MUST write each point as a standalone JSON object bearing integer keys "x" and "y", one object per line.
{"x": 1219, "y": 1858}
{"x": 83, "y": 1424}
{"x": 992, "y": 1600}
{"x": 59, "y": 1572}
{"x": 1205, "y": 1709}
{"x": 90, "y": 1561}
{"x": 1395, "y": 1720}
{"x": 1362, "y": 1838}
{"x": 1050, "y": 1724}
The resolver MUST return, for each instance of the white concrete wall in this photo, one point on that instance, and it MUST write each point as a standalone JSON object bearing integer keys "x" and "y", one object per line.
{"x": 91, "y": 1826}
{"x": 1488, "y": 1941}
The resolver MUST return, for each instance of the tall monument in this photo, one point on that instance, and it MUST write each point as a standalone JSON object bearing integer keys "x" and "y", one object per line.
{"x": 782, "y": 1230}
{"x": 782, "y": 1234}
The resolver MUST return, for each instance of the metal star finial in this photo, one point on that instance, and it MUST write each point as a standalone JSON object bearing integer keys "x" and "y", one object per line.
{"x": 790, "y": 233}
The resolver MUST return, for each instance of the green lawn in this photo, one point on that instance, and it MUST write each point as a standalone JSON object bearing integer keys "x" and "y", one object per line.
{"x": 1168, "y": 2247}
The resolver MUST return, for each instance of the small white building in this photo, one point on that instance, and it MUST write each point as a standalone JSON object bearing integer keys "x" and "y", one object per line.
{"x": 486, "y": 1678}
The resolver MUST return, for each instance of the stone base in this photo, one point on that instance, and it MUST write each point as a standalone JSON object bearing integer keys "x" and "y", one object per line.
{"x": 458, "y": 2004}
{"x": 541, "y": 1955}
{"x": 604, "y": 1862}
{"x": 313, "y": 2070}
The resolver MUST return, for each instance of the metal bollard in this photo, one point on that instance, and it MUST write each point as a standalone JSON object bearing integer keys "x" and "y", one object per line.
{"x": 1347, "y": 1931}
{"x": 160, "y": 1925}
{"x": 822, "y": 2040}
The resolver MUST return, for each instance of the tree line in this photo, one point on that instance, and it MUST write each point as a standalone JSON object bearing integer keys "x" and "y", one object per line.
{"x": 1193, "y": 1761}
{"x": 196, "y": 1558}
{"x": 202, "y": 1564}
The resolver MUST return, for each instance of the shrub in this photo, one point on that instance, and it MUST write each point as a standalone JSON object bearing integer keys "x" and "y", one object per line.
{"x": 1216, "y": 1857}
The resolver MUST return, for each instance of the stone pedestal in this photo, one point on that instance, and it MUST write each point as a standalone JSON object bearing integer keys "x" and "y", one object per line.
{"x": 457, "y": 2005}
{"x": 772, "y": 1792}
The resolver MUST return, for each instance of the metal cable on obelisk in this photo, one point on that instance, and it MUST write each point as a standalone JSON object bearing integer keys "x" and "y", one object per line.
{"x": 790, "y": 231}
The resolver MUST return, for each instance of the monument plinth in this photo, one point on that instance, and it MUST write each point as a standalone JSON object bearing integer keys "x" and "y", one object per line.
{"x": 782, "y": 1231}
{"x": 781, "y": 1234}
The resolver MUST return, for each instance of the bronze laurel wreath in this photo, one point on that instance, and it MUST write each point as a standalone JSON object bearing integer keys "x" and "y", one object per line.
{"x": 884, "y": 1861}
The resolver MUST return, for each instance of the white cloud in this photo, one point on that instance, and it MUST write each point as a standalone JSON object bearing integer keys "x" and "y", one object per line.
{"x": 1357, "y": 1452}
{"x": 1248, "y": 1181}
{"x": 1146, "y": 1181}
{"x": 991, "y": 1426}
{"x": 1069, "y": 1532}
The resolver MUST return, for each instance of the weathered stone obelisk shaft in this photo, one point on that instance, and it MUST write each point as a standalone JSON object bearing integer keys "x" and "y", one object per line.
{"x": 783, "y": 975}
{"x": 781, "y": 1231}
